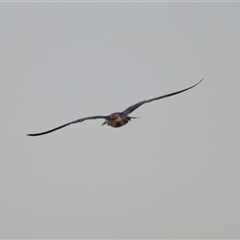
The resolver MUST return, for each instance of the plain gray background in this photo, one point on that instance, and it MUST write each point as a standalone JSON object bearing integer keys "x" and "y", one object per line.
{"x": 173, "y": 173}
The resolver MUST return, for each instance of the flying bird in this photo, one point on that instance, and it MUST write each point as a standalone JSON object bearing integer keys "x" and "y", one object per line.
{"x": 117, "y": 119}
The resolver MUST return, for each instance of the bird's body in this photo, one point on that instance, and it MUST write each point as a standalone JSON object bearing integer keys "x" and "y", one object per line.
{"x": 117, "y": 119}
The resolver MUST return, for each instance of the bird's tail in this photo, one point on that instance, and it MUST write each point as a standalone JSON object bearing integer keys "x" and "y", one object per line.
{"x": 133, "y": 118}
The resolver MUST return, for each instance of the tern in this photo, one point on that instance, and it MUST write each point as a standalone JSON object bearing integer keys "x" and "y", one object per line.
{"x": 117, "y": 119}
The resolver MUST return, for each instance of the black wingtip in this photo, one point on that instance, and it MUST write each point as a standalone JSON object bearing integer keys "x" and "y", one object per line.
{"x": 197, "y": 83}
{"x": 32, "y": 135}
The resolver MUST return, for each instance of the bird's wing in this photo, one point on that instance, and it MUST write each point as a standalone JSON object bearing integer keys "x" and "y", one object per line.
{"x": 137, "y": 105}
{"x": 65, "y": 125}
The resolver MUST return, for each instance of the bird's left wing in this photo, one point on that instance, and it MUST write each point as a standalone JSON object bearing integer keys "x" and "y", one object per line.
{"x": 65, "y": 125}
{"x": 137, "y": 105}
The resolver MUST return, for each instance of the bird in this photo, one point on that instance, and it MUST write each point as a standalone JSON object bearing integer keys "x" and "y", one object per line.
{"x": 116, "y": 119}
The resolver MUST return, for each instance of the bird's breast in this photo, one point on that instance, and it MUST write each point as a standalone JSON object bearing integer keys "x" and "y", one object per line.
{"x": 117, "y": 122}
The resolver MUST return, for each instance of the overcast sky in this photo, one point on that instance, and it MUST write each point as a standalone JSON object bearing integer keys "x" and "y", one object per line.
{"x": 173, "y": 173}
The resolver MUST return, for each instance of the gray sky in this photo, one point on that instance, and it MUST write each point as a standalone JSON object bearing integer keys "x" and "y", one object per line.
{"x": 173, "y": 173}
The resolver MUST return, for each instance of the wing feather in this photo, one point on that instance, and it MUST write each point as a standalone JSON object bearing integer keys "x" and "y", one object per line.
{"x": 137, "y": 105}
{"x": 65, "y": 125}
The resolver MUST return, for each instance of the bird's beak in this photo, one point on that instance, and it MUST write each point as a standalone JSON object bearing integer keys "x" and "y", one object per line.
{"x": 104, "y": 123}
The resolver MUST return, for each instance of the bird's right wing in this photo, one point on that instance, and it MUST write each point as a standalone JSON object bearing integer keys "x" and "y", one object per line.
{"x": 137, "y": 105}
{"x": 65, "y": 125}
